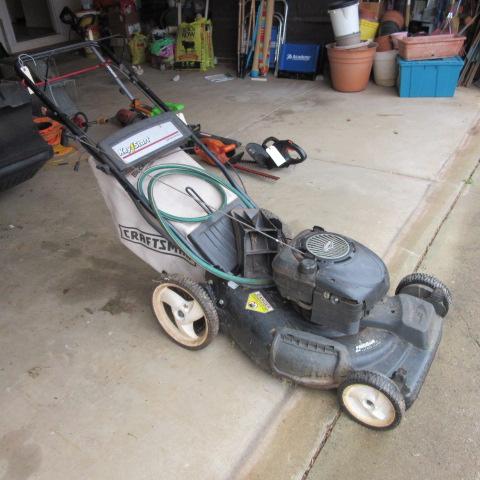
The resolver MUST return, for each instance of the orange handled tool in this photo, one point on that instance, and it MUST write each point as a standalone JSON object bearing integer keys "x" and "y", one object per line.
{"x": 221, "y": 151}
{"x": 217, "y": 147}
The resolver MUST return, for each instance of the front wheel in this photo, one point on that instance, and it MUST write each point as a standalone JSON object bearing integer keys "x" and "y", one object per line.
{"x": 372, "y": 399}
{"x": 185, "y": 312}
{"x": 427, "y": 288}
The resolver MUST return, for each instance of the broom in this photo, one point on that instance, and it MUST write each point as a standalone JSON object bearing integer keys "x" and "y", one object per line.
{"x": 260, "y": 35}
{"x": 265, "y": 66}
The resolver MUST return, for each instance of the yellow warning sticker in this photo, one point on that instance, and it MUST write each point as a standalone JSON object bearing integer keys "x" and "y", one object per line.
{"x": 256, "y": 302}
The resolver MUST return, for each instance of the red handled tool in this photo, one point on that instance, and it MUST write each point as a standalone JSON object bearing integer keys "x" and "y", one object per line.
{"x": 222, "y": 151}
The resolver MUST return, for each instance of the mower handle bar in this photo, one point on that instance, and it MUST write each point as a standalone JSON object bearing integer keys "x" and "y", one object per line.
{"x": 64, "y": 49}
{"x": 99, "y": 49}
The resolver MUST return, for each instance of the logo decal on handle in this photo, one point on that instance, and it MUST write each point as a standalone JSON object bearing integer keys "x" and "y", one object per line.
{"x": 143, "y": 143}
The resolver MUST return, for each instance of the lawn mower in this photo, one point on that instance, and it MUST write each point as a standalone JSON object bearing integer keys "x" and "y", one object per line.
{"x": 311, "y": 308}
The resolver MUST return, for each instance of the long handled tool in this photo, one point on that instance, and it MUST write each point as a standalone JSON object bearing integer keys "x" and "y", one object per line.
{"x": 264, "y": 67}
{"x": 246, "y": 33}
{"x": 259, "y": 38}
{"x": 251, "y": 47}
{"x": 239, "y": 36}
{"x": 243, "y": 39}
{"x": 251, "y": 26}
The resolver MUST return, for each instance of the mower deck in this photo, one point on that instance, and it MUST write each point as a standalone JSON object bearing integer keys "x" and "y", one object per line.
{"x": 399, "y": 339}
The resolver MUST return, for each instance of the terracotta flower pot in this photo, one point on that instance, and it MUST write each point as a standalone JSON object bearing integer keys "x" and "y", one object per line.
{"x": 350, "y": 69}
{"x": 384, "y": 43}
{"x": 395, "y": 37}
{"x": 394, "y": 16}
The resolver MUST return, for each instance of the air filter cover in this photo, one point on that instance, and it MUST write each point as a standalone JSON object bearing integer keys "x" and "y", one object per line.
{"x": 327, "y": 246}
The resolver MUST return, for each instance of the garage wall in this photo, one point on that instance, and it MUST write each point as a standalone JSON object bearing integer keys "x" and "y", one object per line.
{"x": 308, "y": 22}
{"x": 7, "y": 36}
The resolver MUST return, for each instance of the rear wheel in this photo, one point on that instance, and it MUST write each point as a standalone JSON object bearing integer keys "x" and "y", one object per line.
{"x": 185, "y": 312}
{"x": 372, "y": 399}
{"x": 427, "y": 288}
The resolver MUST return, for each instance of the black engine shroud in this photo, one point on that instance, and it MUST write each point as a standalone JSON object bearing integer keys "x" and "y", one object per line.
{"x": 336, "y": 282}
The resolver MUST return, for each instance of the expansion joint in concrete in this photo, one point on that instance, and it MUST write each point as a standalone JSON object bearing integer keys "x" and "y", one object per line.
{"x": 321, "y": 445}
{"x": 447, "y": 214}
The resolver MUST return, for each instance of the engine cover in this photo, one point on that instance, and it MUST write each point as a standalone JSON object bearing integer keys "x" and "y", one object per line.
{"x": 335, "y": 280}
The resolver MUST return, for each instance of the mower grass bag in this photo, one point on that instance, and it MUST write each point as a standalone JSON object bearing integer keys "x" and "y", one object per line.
{"x": 314, "y": 309}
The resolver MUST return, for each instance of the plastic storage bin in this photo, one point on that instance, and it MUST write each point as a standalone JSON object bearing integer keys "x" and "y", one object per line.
{"x": 428, "y": 78}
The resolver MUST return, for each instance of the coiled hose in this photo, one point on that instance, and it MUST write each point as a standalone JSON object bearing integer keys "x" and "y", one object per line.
{"x": 155, "y": 175}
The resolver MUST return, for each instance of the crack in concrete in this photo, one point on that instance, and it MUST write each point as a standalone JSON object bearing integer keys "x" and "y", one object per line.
{"x": 470, "y": 333}
{"x": 322, "y": 444}
{"x": 373, "y": 169}
{"x": 447, "y": 214}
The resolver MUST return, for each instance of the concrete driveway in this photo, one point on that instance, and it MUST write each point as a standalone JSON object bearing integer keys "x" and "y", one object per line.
{"x": 90, "y": 386}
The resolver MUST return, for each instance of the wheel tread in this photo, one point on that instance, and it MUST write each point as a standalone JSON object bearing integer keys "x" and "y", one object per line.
{"x": 428, "y": 281}
{"x": 381, "y": 383}
{"x": 208, "y": 306}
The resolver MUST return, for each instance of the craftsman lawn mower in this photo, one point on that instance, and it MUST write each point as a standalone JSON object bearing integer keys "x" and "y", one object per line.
{"x": 313, "y": 309}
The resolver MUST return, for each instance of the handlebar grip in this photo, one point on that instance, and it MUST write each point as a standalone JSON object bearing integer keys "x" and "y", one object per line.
{"x": 301, "y": 152}
{"x": 269, "y": 140}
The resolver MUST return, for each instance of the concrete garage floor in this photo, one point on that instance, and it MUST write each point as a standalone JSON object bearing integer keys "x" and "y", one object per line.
{"x": 91, "y": 388}
{"x": 440, "y": 436}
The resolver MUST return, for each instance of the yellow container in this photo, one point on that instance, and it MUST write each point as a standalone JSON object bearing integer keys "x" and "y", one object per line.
{"x": 368, "y": 29}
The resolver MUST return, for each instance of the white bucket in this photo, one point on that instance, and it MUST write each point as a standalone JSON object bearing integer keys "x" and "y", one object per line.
{"x": 344, "y": 18}
{"x": 385, "y": 68}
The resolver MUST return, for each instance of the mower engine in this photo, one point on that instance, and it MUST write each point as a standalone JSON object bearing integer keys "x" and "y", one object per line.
{"x": 335, "y": 281}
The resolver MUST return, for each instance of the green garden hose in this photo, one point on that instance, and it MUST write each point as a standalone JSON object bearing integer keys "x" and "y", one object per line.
{"x": 155, "y": 175}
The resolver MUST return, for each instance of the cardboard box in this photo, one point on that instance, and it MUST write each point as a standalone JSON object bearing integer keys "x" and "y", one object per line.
{"x": 124, "y": 25}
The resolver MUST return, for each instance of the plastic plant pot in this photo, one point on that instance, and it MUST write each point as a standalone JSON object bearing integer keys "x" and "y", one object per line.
{"x": 350, "y": 68}
{"x": 345, "y": 21}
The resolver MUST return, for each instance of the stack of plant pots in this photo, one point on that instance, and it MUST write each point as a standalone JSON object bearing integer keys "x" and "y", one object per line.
{"x": 385, "y": 62}
{"x": 350, "y": 59}
{"x": 345, "y": 23}
{"x": 391, "y": 23}
{"x": 370, "y": 14}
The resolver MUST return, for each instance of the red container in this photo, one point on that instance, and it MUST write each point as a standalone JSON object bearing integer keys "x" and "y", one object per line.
{"x": 430, "y": 47}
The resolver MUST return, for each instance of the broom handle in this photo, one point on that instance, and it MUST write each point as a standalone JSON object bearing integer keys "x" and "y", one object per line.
{"x": 256, "y": 53}
{"x": 251, "y": 19}
{"x": 239, "y": 38}
{"x": 243, "y": 28}
{"x": 268, "y": 36}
